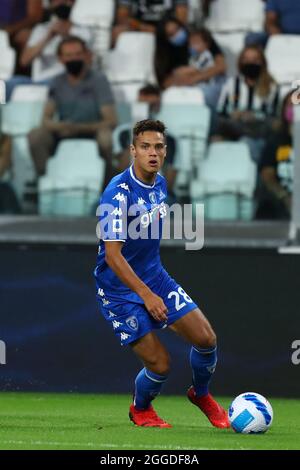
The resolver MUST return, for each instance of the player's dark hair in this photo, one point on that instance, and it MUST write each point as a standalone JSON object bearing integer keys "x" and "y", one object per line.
{"x": 148, "y": 125}
{"x": 71, "y": 40}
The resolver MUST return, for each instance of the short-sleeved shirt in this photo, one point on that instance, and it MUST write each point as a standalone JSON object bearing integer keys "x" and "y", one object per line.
{"x": 207, "y": 58}
{"x": 130, "y": 207}
{"x": 49, "y": 63}
{"x": 279, "y": 155}
{"x": 151, "y": 11}
{"x": 81, "y": 103}
{"x": 12, "y": 11}
{"x": 288, "y": 12}
{"x": 237, "y": 95}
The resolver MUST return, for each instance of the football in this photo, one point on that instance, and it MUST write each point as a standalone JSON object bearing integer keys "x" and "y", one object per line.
{"x": 250, "y": 413}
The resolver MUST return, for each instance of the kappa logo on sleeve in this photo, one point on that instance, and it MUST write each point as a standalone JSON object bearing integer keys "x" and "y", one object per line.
{"x": 119, "y": 197}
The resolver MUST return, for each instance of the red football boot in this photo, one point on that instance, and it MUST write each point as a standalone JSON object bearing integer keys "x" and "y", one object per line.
{"x": 214, "y": 412}
{"x": 147, "y": 418}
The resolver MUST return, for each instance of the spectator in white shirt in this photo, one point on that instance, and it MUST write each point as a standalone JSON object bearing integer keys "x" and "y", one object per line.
{"x": 46, "y": 37}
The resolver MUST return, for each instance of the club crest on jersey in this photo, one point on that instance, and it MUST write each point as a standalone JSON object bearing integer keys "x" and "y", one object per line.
{"x": 152, "y": 198}
{"x": 132, "y": 323}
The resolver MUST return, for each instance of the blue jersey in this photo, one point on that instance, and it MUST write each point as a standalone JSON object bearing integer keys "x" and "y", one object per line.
{"x": 132, "y": 212}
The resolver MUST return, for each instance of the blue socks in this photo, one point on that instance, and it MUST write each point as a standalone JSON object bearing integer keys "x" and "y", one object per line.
{"x": 147, "y": 386}
{"x": 203, "y": 363}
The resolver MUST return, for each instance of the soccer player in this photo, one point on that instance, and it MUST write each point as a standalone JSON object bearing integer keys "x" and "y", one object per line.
{"x": 136, "y": 294}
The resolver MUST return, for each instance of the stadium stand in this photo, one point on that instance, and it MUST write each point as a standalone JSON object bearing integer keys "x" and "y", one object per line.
{"x": 226, "y": 182}
{"x": 282, "y": 53}
{"x": 71, "y": 184}
{"x": 231, "y": 15}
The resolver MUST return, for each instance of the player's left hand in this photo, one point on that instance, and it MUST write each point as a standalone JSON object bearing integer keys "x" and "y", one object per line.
{"x": 156, "y": 307}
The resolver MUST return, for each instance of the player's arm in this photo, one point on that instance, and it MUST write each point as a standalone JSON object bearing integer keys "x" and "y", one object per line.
{"x": 116, "y": 261}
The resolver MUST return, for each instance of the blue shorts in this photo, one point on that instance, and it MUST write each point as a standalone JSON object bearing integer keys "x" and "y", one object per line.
{"x": 131, "y": 320}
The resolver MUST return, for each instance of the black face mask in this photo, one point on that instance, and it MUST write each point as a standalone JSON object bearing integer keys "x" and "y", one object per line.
{"x": 251, "y": 71}
{"x": 75, "y": 67}
{"x": 62, "y": 11}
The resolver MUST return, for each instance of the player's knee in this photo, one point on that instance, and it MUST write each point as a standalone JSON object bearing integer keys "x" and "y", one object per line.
{"x": 208, "y": 339}
{"x": 160, "y": 364}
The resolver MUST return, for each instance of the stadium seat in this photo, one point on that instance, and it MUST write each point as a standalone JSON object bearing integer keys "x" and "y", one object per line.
{"x": 190, "y": 125}
{"x": 99, "y": 16}
{"x": 183, "y": 95}
{"x": 39, "y": 73}
{"x": 232, "y": 45}
{"x": 226, "y": 182}
{"x": 117, "y": 145}
{"x": 231, "y": 15}
{"x": 282, "y": 54}
{"x": 93, "y": 12}
{"x": 19, "y": 118}
{"x": 4, "y": 39}
{"x": 130, "y": 50}
{"x": 73, "y": 181}
{"x": 126, "y": 92}
{"x": 123, "y": 113}
{"x": 30, "y": 93}
{"x": 23, "y": 168}
{"x": 7, "y": 63}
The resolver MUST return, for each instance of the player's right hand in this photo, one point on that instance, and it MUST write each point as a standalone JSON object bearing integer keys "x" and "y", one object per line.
{"x": 155, "y": 306}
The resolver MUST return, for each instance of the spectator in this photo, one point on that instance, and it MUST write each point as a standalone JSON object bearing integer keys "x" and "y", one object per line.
{"x": 276, "y": 169}
{"x": 82, "y": 100}
{"x": 151, "y": 95}
{"x": 206, "y": 68}
{"x": 145, "y": 15}
{"x": 8, "y": 200}
{"x": 282, "y": 17}
{"x": 17, "y": 17}
{"x": 172, "y": 49}
{"x": 249, "y": 102}
{"x": 46, "y": 37}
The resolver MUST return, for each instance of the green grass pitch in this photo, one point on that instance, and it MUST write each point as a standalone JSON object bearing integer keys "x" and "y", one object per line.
{"x": 100, "y": 422}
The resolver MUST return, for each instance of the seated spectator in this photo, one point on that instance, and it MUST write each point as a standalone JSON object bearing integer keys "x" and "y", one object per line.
{"x": 45, "y": 37}
{"x": 249, "y": 102}
{"x": 206, "y": 67}
{"x": 8, "y": 201}
{"x": 172, "y": 49}
{"x": 145, "y": 15}
{"x": 17, "y": 17}
{"x": 276, "y": 169}
{"x": 82, "y": 100}
{"x": 150, "y": 94}
{"x": 282, "y": 17}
